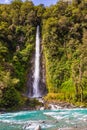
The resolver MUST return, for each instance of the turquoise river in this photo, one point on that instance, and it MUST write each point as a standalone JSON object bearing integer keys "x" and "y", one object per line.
{"x": 47, "y": 119}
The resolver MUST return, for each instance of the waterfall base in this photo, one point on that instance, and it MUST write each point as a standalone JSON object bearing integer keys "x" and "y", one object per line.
{"x": 42, "y": 88}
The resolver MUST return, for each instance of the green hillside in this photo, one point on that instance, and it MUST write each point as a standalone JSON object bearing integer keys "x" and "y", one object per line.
{"x": 65, "y": 49}
{"x": 64, "y": 39}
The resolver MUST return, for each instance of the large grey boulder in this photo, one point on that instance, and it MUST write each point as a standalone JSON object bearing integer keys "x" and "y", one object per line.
{"x": 38, "y": 127}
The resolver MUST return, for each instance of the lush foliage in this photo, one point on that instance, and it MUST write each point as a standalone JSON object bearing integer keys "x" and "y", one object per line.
{"x": 64, "y": 38}
{"x": 18, "y": 22}
{"x": 65, "y": 49}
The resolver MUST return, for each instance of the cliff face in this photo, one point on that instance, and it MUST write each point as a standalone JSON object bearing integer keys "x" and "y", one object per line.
{"x": 30, "y": 79}
{"x": 42, "y": 86}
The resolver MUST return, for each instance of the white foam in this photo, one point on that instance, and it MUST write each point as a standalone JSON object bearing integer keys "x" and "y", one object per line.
{"x": 34, "y": 125}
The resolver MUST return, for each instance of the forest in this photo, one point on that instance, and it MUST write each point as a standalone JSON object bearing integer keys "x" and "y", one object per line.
{"x": 63, "y": 29}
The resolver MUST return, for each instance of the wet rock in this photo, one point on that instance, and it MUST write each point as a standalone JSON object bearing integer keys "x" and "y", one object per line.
{"x": 42, "y": 108}
{"x": 27, "y": 126}
{"x": 54, "y": 107}
{"x": 66, "y": 129}
{"x": 43, "y": 122}
{"x": 38, "y": 127}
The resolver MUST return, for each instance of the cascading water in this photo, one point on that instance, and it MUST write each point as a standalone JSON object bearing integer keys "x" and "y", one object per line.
{"x": 59, "y": 119}
{"x": 36, "y": 82}
{"x": 36, "y": 91}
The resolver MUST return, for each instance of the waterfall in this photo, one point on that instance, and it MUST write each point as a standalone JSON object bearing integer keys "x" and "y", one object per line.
{"x": 36, "y": 82}
{"x": 36, "y": 91}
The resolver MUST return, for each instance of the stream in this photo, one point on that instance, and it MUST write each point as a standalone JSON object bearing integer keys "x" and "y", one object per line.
{"x": 47, "y": 119}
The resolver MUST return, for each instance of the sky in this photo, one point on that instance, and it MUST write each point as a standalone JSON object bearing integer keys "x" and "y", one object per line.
{"x": 36, "y": 2}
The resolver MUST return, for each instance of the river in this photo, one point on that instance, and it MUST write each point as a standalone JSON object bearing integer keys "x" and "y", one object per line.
{"x": 47, "y": 119}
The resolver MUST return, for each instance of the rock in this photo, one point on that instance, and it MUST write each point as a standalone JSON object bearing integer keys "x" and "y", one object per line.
{"x": 26, "y": 126}
{"x": 43, "y": 121}
{"x": 54, "y": 107}
{"x": 38, "y": 127}
{"x": 66, "y": 129}
{"x": 40, "y": 100}
{"x": 42, "y": 108}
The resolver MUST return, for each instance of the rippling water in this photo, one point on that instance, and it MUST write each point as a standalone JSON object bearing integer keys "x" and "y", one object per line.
{"x": 48, "y": 119}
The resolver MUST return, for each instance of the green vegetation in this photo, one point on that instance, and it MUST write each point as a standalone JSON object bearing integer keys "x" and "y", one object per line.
{"x": 65, "y": 49}
{"x": 18, "y": 22}
{"x": 64, "y": 38}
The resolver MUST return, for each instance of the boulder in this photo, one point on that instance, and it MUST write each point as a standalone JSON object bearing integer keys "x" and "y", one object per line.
{"x": 38, "y": 127}
{"x": 42, "y": 108}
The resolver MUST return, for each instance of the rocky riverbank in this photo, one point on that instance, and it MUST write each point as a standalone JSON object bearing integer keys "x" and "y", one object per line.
{"x": 53, "y": 105}
{"x": 58, "y": 105}
{"x": 38, "y": 127}
{"x": 41, "y": 104}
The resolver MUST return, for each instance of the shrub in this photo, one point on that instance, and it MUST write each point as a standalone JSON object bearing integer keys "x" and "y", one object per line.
{"x": 11, "y": 98}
